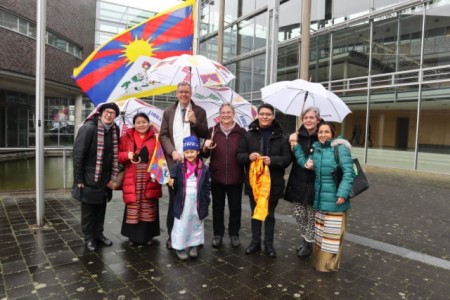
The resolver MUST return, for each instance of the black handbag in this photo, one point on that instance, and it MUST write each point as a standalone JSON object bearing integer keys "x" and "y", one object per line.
{"x": 360, "y": 183}
{"x": 77, "y": 193}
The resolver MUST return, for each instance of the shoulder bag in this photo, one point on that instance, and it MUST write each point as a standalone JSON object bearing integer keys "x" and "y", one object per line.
{"x": 360, "y": 183}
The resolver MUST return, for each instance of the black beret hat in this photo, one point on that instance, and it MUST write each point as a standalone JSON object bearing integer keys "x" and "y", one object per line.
{"x": 110, "y": 105}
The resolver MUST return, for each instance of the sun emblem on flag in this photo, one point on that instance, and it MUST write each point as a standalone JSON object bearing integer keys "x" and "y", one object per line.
{"x": 136, "y": 48}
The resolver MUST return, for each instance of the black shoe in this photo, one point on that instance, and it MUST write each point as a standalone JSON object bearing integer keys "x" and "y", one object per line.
{"x": 268, "y": 248}
{"x": 306, "y": 250}
{"x": 303, "y": 244}
{"x": 217, "y": 241}
{"x": 253, "y": 247}
{"x": 169, "y": 244}
{"x": 91, "y": 245}
{"x": 105, "y": 241}
{"x": 235, "y": 242}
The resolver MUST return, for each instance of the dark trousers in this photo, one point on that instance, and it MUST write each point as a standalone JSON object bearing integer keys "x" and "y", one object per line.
{"x": 269, "y": 223}
{"x": 92, "y": 220}
{"x": 233, "y": 192}
{"x": 170, "y": 218}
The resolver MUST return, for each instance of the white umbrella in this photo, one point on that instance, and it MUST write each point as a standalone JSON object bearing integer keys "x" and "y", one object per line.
{"x": 194, "y": 69}
{"x": 293, "y": 97}
{"x": 129, "y": 108}
{"x": 211, "y": 98}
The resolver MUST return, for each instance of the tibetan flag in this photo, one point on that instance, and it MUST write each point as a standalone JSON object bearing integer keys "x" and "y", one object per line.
{"x": 117, "y": 69}
{"x": 158, "y": 168}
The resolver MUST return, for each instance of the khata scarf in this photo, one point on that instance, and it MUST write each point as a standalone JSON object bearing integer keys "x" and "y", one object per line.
{"x": 100, "y": 147}
{"x": 259, "y": 178}
{"x": 180, "y": 129}
{"x": 196, "y": 168}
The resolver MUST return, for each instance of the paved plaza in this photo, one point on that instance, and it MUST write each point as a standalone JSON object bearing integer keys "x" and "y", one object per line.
{"x": 397, "y": 247}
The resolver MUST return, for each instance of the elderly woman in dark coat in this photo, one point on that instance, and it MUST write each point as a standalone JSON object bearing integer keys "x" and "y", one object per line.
{"x": 300, "y": 186}
{"x": 95, "y": 163}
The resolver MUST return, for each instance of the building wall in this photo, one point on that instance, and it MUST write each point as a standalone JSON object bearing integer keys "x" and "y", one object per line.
{"x": 72, "y": 20}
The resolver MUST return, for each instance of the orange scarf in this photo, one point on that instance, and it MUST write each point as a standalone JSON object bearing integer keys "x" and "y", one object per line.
{"x": 259, "y": 178}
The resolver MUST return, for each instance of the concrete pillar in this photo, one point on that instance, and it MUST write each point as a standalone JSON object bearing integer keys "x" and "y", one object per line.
{"x": 78, "y": 113}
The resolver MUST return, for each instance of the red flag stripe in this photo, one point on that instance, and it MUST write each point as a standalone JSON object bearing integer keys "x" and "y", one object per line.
{"x": 105, "y": 53}
{"x": 182, "y": 29}
{"x": 125, "y": 37}
{"x": 150, "y": 27}
{"x": 98, "y": 75}
{"x": 165, "y": 54}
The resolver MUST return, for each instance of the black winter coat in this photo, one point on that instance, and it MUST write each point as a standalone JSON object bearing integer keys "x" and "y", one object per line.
{"x": 84, "y": 160}
{"x": 278, "y": 151}
{"x": 300, "y": 186}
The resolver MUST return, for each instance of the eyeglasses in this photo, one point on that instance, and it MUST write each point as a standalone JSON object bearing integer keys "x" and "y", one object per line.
{"x": 265, "y": 115}
{"x": 109, "y": 113}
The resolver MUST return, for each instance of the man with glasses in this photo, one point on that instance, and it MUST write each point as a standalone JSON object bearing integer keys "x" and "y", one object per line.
{"x": 180, "y": 120}
{"x": 266, "y": 143}
{"x": 95, "y": 163}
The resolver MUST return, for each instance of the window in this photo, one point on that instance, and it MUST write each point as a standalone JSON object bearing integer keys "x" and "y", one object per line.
{"x": 27, "y": 28}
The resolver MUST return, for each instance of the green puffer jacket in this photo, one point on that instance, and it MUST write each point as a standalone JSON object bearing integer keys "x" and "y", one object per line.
{"x": 326, "y": 193}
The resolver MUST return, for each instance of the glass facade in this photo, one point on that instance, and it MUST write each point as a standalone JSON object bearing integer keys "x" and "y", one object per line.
{"x": 388, "y": 60}
{"x": 18, "y": 120}
{"x": 114, "y": 18}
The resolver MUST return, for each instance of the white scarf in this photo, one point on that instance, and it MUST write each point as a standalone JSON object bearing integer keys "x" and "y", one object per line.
{"x": 180, "y": 129}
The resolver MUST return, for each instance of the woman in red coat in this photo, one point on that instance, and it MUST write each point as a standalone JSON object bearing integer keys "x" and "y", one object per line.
{"x": 140, "y": 193}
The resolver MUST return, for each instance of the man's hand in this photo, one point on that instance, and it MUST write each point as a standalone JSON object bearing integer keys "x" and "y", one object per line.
{"x": 191, "y": 116}
{"x": 80, "y": 185}
{"x": 176, "y": 156}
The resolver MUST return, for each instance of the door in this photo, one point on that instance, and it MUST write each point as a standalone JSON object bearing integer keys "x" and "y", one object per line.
{"x": 401, "y": 134}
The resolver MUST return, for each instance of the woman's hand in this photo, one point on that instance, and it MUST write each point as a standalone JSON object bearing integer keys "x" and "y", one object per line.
{"x": 266, "y": 160}
{"x": 130, "y": 155}
{"x": 340, "y": 201}
{"x": 309, "y": 164}
{"x": 171, "y": 182}
{"x": 208, "y": 144}
{"x": 293, "y": 140}
{"x": 253, "y": 156}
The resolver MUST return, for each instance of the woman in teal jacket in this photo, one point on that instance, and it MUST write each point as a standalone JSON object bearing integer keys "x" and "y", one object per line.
{"x": 330, "y": 200}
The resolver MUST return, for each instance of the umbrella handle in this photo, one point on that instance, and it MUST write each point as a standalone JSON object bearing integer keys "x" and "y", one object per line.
{"x": 136, "y": 161}
{"x": 213, "y": 145}
{"x": 301, "y": 112}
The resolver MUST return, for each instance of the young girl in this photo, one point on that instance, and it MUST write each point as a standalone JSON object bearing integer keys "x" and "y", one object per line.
{"x": 192, "y": 189}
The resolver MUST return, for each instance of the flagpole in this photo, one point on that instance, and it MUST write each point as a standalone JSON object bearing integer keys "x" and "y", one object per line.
{"x": 40, "y": 93}
{"x": 195, "y": 42}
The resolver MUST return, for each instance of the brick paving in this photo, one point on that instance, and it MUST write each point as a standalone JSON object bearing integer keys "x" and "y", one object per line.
{"x": 403, "y": 208}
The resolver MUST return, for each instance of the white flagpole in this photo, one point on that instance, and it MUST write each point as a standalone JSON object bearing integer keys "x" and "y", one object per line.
{"x": 39, "y": 125}
{"x": 197, "y": 14}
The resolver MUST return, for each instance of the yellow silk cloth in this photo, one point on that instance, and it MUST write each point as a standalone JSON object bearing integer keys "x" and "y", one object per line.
{"x": 259, "y": 178}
